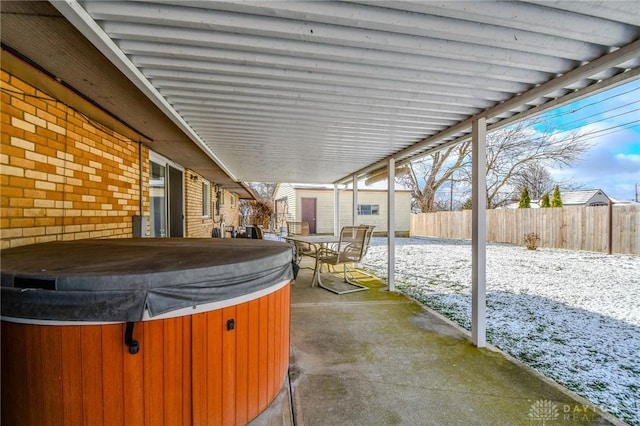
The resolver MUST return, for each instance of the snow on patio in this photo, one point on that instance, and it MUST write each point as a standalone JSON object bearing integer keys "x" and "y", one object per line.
{"x": 572, "y": 315}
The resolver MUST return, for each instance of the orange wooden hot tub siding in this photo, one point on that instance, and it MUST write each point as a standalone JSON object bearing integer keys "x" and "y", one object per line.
{"x": 190, "y": 370}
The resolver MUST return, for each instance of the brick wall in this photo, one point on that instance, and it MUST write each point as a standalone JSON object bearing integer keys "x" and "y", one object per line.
{"x": 229, "y": 209}
{"x": 197, "y": 226}
{"x": 63, "y": 176}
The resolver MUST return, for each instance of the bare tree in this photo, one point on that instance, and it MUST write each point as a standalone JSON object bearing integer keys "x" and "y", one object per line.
{"x": 430, "y": 173}
{"x": 510, "y": 150}
{"x": 262, "y": 189}
{"x": 536, "y": 178}
{"x": 513, "y": 153}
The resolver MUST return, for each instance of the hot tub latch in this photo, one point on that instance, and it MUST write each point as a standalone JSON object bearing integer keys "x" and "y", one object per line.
{"x": 231, "y": 324}
{"x": 134, "y": 347}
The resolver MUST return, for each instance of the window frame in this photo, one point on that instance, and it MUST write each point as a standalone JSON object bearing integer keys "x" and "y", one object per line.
{"x": 369, "y": 209}
{"x": 206, "y": 199}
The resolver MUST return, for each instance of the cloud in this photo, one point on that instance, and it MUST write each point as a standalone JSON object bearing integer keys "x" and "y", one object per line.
{"x": 610, "y": 122}
{"x": 612, "y": 164}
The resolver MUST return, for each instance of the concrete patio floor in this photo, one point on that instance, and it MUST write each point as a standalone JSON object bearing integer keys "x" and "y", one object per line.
{"x": 379, "y": 358}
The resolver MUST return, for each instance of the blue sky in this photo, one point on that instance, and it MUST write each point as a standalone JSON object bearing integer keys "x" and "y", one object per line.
{"x": 610, "y": 121}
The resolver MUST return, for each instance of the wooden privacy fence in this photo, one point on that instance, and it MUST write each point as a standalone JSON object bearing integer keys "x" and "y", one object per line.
{"x": 574, "y": 228}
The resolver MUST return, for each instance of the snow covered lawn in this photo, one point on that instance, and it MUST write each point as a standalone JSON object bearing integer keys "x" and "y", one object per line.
{"x": 573, "y": 316}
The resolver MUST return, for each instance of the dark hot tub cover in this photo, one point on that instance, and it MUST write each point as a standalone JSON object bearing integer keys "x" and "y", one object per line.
{"x": 117, "y": 279}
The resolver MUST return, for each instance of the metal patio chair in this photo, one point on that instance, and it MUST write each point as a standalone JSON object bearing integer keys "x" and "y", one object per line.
{"x": 350, "y": 250}
{"x": 301, "y": 249}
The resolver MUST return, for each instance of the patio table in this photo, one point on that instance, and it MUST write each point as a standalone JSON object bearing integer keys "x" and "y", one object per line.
{"x": 318, "y": 241}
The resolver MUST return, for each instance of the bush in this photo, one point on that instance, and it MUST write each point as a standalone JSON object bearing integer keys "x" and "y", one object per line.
{"x": 525, "y": 200}
{"x": 261, "y": 212}
{"x": 556, "y": 201}
{"x": 531, "y": 240}
{"x": 544, "y": 202}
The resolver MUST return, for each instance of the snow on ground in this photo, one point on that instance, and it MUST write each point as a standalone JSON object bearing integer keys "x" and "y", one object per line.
{"x": 572, "y": 315}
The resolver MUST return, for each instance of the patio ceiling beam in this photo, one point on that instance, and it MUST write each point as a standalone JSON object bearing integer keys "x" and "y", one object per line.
{"x": 584, "y": 27}
{"x": 457, "y": 46}
{"x": 275, "y": 69}
{"x": 372, "y": 111}
{"x": 497, "y": 14}
{"x": 220, "y": 132}
{"x": 205, "y": 78}
{"x": 236, "y": 61}
{"x": 239, "y": 119}
{"x": 203, "y": 45}
{"x": 434, "y": 142}
{"x": 290, "y": 115}
{"x": 288, "y": 99}
{"x": 609, "y": 11}
{"x": 171, "y": 87}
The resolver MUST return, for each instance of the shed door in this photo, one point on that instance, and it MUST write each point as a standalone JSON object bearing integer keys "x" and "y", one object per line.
{"x": 309, "y": 213}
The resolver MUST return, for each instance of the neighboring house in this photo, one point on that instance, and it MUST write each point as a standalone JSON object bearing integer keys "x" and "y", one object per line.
{"x": 585, "y": 198}
{"x": 67, "y": 176}
{"x": 315, "y": 204}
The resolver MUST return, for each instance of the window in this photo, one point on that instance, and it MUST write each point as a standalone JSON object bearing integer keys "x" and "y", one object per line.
{"x": 166, "y": 192}
{"x": 206, "y": 199}
{"x": 157, "y": 192}
{"x": 233, "y": 200}
{"x": 368, "y": 209}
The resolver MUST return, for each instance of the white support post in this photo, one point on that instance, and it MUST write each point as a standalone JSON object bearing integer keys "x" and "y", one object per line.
{"x": 355, "y": 201}
{"x": 479, "y": 233}
{"x": 336, "y": 210}
{"x": 391, "y": 224}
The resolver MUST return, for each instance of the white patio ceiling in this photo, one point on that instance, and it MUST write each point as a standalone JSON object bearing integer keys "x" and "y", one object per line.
{"x": 317, "y": 91}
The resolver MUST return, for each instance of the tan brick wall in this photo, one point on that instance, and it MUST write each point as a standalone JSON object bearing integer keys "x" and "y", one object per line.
{"x": 196, "y": 225}
{"x": 63, "y": 176}
{"x": 229, "y": 211}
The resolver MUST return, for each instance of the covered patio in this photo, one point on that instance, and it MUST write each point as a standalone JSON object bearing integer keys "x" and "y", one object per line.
{"x": 334, "y": 92}
{"x": 327, "y": 92}
{"x": 375, "y": 357}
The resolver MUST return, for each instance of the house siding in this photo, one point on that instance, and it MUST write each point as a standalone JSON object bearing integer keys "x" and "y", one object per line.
{"x": 402, "y": 210}
{"x": 286, "y": 192}
{"x": 325, "y": 209}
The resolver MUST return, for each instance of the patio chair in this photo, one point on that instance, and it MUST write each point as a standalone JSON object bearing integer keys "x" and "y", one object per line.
{"x": 298, "y": 228}
{"x": 369, "y": 230}
{"x": 368, "y": 237}
{"x": 350, "y": 250}
{"x": 301, "y": 249}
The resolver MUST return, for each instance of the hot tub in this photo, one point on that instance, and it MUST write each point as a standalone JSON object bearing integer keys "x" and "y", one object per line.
{"x": 144, "y": 331}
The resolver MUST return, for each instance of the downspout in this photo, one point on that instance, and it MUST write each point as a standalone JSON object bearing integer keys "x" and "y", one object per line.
{"x": 141, "y": 185}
